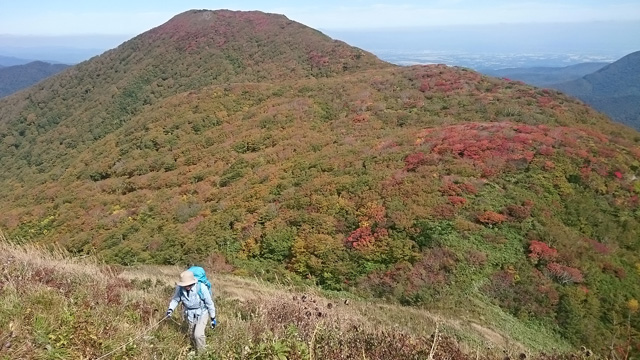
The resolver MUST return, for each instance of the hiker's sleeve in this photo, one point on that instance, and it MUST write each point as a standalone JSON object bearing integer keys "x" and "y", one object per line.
{"x": 175, "y": 299}
{"x": 208, "y": 302}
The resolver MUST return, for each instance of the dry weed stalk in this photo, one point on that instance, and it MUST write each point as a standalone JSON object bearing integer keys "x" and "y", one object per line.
{"x": 435, "y": 340}
{"x": 312, "y": 343}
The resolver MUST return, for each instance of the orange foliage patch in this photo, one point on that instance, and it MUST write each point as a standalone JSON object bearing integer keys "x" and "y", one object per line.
{"x": 491, "y": 218}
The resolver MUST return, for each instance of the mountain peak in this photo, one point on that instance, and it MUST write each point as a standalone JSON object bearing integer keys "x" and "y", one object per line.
{"x": 248, "y": 42}
{"x": 218, "y": 22}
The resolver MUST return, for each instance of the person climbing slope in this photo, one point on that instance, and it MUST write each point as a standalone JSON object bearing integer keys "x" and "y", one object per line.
{"x": 198, "y": 307}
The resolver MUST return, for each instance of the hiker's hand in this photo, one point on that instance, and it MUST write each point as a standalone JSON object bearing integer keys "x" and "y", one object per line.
{"x": 169, "y": 312}
{"x": 213, "y": 323}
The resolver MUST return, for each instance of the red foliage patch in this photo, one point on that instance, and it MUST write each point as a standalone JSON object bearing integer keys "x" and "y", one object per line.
{"x": 564, "y": 274}
{"x": 468, "y": 188}
{"x": 453, "y": 189}
{"x": 494, "y": 147}
{"x": 457, "y": 201}
{"x": 373, "y": 213}
{"x": 444, "y": 211}
{"x": 433, "y": 269}
{"x": 550, "y": 293}
{"x": 491, "y": 218}
{"x": 523, "y": 293}
{"x": 395, "y": 180}
{"x": 424, "y": 86}
{"x": 364, "y": 237}
{"x": 546, "y": 150}
{"x": 415, "y": 160}
{"x": 545, "y": 102}
{"x": 360, "y": 118}
{"x": 617, "y": 271}
{"x": 520, "y": 212}
{"x": 598, "y": 246}
{"x": 450, "y": 189}
{"x": 541, "y": 251}
{"x": 444, "y": 79}
{"x": 317, "y": 59}
{"x": 476, "y": 258}
{"x": 51, "y": 278}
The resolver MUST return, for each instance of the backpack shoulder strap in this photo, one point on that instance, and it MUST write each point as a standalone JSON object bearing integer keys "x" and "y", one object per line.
{"x": 199, "y": 285}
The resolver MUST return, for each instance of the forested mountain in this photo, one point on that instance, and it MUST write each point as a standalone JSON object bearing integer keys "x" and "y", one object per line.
{"x": 251, "y": 138}
{"x": 614, "y": 90}
{"x": 545, "y": 76}
{"x": 18, "y": 77}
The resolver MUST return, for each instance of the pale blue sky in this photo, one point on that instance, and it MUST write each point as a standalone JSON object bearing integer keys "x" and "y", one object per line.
{"x": 131, "y": 17}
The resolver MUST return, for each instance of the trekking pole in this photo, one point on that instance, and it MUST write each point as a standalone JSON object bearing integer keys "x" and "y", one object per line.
{"x": 134, "y": 339}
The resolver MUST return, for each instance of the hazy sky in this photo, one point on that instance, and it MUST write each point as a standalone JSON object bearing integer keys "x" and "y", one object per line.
{"x": 71, "y": 31}
{"x": 131, "y": 17}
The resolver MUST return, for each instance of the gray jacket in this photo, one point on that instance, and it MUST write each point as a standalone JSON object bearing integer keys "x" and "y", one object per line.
{"x": 194, "y": 302}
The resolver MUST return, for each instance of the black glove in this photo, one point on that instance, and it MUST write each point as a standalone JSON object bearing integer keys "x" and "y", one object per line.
{"x": 213, "y": 323}
{"x": 169, "y": 312}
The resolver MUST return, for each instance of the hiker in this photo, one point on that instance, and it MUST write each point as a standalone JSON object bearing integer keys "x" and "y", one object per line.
{"x": 197, "y": 304}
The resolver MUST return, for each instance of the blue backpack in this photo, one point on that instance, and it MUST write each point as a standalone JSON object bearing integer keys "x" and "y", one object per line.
{"x": 201, "y": 276}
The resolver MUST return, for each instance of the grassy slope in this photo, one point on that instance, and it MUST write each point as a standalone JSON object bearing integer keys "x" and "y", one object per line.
{"x": 57, "y": 307}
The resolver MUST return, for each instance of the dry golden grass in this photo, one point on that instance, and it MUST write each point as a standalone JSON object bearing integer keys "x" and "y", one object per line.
{"x": 56, "y": 306}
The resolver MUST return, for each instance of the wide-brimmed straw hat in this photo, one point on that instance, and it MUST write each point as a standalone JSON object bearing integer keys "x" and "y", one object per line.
{"x": 186, "y": 279}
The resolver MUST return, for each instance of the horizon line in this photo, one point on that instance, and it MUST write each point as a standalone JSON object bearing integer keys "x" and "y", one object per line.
{"x": 362, "y": 28}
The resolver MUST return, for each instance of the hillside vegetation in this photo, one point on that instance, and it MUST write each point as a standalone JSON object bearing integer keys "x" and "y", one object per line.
{"x": 265, "y": 145}
{"x": 614, "y": 89}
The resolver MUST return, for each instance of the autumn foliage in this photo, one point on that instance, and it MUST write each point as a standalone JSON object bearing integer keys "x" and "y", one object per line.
{"x": 564, "y": 274}
{"x": 539, "y": 251}
{"x": 491, "y": 218}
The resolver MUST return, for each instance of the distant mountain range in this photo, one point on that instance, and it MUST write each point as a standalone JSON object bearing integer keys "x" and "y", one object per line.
{"x": 545, "y": 76}
{"x": 614, "y": 89}
{"x": 11, "y": 61}
{"x": 18, "y": 77}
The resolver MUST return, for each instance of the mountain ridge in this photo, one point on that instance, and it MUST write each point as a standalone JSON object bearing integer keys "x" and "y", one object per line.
{"x": 545, "y": 76}
{"x": 145, "y": 81}
{"x": 18, "y": 77}
{"x": 12, "y": 61}
{"x": 613, "y": 89}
